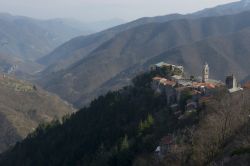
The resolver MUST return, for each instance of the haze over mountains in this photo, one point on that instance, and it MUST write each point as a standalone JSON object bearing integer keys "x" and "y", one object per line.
{"x": 67, "y": 58}
{"x": 87, "y": 43}
{"x": 87, "y": 66}
{"x": 30, "y": 39}
{"x": 79, "y": 69}
{"x": 22, "y": 41}
{"x": 26, "y": 39}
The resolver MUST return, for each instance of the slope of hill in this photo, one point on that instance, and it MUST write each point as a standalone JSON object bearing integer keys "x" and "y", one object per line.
{"x": 22, "y": 107}
{"x": 124, "y": 128}
{"x": 230, "y": 8}
{"x": 132, "y": 48}
{"x": 29, "y": 38}
{"x": 228, "y": 54}
{"x": 78, "y": 48}
{"x": 16, "y": 66}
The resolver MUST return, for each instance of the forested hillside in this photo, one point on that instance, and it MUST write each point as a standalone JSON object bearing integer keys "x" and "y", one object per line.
{"x": 125, "y": 127}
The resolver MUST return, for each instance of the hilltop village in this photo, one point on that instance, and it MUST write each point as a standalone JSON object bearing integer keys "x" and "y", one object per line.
{"x": 174, "y": 84}
{"x": 185, "y": 96}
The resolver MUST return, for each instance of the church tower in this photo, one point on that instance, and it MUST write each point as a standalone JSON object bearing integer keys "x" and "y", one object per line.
{"x": 205, "y": 73}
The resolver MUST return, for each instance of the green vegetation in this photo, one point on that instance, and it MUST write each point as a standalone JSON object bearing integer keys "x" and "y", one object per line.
{"x": 169, "y": 71}
{"x": 241, "y": 151}
{"x": 124, "y": 128}
{"x": 116, "y": 128}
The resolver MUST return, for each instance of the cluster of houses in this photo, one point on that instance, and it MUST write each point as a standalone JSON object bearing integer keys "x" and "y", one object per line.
{"x": 173, "y": 84}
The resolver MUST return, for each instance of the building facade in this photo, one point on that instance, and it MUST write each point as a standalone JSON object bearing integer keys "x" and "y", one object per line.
{"x": 205, "y": 73}
{"x": 232, "y": 84}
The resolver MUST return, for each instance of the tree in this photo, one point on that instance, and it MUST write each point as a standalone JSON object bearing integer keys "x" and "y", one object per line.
{"x": 146, "y": 124}
{"x": 222, "y": 120}
{"x": 124, "y": 144}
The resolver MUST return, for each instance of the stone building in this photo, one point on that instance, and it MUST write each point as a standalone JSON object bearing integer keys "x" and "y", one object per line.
{"x": 205, "y": 73}
{"x": 174, "y": 69}
{"x": 163, "y": 85}
{"x": 232, "y": 84}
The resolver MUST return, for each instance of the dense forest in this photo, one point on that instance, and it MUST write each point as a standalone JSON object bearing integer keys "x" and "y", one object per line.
{"x": 126, "y": 126}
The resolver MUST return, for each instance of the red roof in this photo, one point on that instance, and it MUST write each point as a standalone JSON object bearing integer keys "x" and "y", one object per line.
{"x": 246, "y": 85}
{"x": 206, "y": 84}
{"x": 164, "y": 81}
{"x": 157, "y": 78}
{"x": 167, "y": 140}
{"x": 195, "y": 92}
{"x": 167, "y": 82}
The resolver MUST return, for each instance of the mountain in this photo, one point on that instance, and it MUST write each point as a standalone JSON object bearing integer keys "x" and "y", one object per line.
{"x": 132, "y": 48}
{"x": 18, "y": 67}
{"x": 126, "y": 126}
{"x": 228, "y": 54}
{"x": 230, "y": 8}
{"x": 29, "y": 38}
{"x": 22, "y": 107}
{"x": 80, "y": 47}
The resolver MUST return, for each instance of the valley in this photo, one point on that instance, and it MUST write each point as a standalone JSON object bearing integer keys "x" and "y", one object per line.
{"x": 147, "y": 129}
{"x": 199, "y": 40}
{"x": 155, "y": 91}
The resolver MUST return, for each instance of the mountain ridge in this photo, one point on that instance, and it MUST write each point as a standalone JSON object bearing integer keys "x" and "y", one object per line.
{"x": 133, "y": 47}
{"x": 109, "y": 33}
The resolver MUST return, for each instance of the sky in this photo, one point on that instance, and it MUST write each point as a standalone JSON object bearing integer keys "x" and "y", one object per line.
{"x": 98, "y": 10}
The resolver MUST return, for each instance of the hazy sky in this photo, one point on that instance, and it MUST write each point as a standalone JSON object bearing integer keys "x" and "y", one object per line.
{"x": 94, "y": 10}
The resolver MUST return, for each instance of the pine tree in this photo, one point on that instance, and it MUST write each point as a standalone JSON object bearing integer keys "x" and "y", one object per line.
{"x": 124, "y": 144}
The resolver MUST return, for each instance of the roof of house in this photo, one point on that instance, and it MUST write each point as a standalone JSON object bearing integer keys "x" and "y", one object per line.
{"x": 195, "y": 92}
{"x": 177, "y": 77}
{"x": 206, "y": 84}
{"x": 232, "y": 90}
{"x": 164, "y": 81}
{"x": 185, "y": 82}
{"x": 167, "y": 82}
{"x": 247, "y": 85}
{"x": 157, "y": 78}
{"x": 160, "y": 64}
{"x": 167, "y": 140}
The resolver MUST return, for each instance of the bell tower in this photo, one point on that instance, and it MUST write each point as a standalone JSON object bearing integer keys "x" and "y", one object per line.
{"x": 205, "y": 73}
